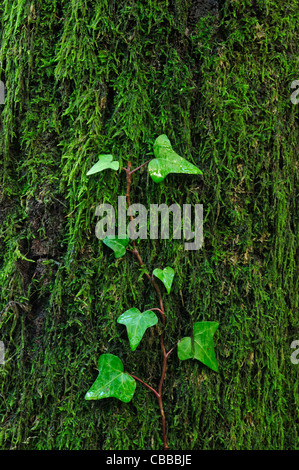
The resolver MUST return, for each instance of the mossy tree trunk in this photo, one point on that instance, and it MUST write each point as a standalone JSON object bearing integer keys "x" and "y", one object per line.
{"x": 84, "y": 78}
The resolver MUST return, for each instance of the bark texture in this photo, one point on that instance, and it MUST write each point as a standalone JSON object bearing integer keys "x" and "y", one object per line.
{"x": 85, "y": 78}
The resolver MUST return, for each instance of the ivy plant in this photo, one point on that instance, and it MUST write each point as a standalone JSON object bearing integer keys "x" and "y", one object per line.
{"x": 112, "y": 381}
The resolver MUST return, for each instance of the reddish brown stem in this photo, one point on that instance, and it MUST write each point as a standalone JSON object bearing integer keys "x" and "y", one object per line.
{"x": 146, "y": 385}
{"x": 161, "y": 310}
{"x": 135, "y": 251}
{"x": 158, "y": 310}
{"x": 169, "y": 352}
{"x": 138, "y": 168}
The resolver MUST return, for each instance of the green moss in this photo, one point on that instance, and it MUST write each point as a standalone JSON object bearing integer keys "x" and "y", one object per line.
{"x": 83, "y": 80}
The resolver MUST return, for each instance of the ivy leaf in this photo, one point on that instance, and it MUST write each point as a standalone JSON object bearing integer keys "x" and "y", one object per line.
{"x": 201, "y": 346}
{"x": 105, "y": 162}
{"x": 111, "y": 381}
{"x": 168, "y": 161}
{"x": 166, "y": 276}
{"x": 136, "y": 324}
{"x": 118, "y": 245}
{"x": 185, "y": 349}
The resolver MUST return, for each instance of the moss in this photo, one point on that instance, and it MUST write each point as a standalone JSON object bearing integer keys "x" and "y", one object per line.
{"x": 85, "y": 79}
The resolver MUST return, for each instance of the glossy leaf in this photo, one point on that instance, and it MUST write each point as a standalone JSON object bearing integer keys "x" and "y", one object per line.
{"x": 168, "y": 161}
{"x": 105, "y": 162}
{"x": 136, "y": 324}
{"x": 118, "y": 245}
{"x": 201, "y": 346}
{"x": 112, "y": 381}
{"x": 166, "y": 276}
{"x": 185, "y": 349}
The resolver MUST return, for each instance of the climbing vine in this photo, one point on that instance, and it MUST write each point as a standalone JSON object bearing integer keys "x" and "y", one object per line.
{"x": 112, "y": 381}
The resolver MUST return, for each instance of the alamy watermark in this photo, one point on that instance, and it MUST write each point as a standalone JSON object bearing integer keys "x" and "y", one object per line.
{"x": 2, "y": 92}
{"x": 295, "y": 354}
{"x": 183, "y": 224}
{"x": 2, "y": 352}
{"x": 294, "y": 99}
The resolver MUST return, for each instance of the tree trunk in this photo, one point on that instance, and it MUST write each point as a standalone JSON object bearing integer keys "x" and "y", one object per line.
{"x": 86, "y": 78}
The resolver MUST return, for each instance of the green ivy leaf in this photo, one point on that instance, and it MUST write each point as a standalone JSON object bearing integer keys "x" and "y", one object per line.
{"x": 185, "y": 349}
{"x": 166, "y": 276}
{"x": 118, "y": 245}
{"x": 168, "y": 161}
{"x": 136, "y": 324}
{"x": 105, "y": 162}
{"x": 201, "y": 346}
{"x": 111, "y": 381}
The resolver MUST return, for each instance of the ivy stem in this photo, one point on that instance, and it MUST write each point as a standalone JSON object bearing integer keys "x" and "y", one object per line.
{"x": 161, "y": 310}
{"x": 138, "y": 168}
{"x": 145, "y": 384}
{"x": 135, "y": 251}
{"x": 158, "y": 310}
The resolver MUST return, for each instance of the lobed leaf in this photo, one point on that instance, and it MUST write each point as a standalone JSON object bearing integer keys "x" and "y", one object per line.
{"x": 168, "y": 161}
{"x": 201, "y": 346}
{"x": 136, "y": 324}
{"x": 111, "y": 381}
{"x": 118, "y": 245}
{"x": 185, "y": 349}
{"x": 166, "y": 276}
{"x": 105, "y": 162}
